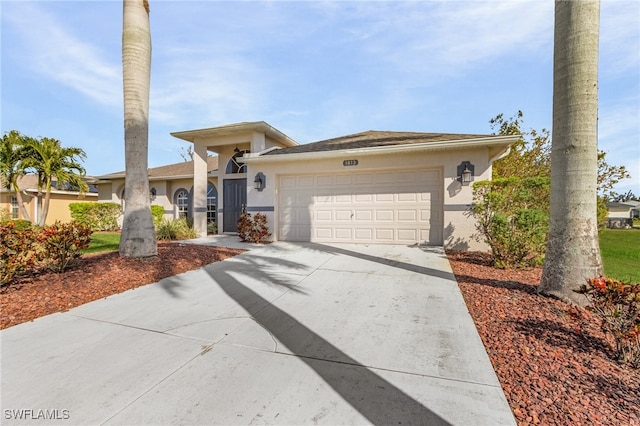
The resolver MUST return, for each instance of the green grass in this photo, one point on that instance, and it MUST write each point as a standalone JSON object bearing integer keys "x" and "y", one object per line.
{"x": 620, "y": 250}
{"x": 103, "y": 241}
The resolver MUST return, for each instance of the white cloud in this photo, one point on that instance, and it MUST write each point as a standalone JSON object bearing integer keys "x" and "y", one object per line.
{"x": 49, "y": 49}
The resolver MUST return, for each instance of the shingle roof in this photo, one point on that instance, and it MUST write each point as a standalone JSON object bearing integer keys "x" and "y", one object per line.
{"x": 184, "y": 168}
{"x": 372, "y": 139}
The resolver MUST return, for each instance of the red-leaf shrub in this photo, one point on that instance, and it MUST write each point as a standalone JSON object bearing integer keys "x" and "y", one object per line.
{"x": 19, "y": 250}
{"x": 618, "y": 306}
{"x": 63, "y": 242}
{"x": 253, "y": 230}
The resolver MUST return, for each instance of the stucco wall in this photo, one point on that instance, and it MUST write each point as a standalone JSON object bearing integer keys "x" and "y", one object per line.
{"x": 459, "y": 227}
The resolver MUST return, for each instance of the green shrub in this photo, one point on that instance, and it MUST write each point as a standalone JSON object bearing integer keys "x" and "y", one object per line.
{"x": 157, "y": 212}
{"x": 63, "y": 242}
{"x": 212, "y": 228}
{"x": 97, "y": 216}
{"x": 5, "y": 214}
{"x": 512, "y": 217}
{"x": 19, "y": 251}
{"x": 618, "y": 306}
{"x": 253, "y": 230}
{"x": 175, "y": 229}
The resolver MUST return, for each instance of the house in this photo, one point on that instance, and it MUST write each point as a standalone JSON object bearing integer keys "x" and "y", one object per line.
{"x": 170, "y": 186}
{"x": 373, "y": 187}
{"x": 59, "y": 202}
{"x": 621, "y": 214}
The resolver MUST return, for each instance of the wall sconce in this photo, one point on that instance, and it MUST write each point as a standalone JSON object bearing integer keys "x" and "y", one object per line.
{"x": 260, "y": 181}
{"x": 152, "y": 194}
{"x": 466, "y": 172}
{"x": 236, "y": 150}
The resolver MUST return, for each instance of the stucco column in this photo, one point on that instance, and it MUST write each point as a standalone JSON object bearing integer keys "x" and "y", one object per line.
{"x": 200, "y": 188}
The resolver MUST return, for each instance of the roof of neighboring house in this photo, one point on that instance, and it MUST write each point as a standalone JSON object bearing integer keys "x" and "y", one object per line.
{"x": 622, "y": 205}
{"x": 170, "y": 171}
{"x": 374, "y": 138}
{"x": 29, "y": 183}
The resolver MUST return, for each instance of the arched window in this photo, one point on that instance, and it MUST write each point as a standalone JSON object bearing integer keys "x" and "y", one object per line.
{"x": 212, "y": 202}
{"x": 234, "y": 166}
{"x": 181, "y": 200}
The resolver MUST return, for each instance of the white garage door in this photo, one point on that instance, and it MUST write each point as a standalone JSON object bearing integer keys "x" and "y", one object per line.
{"x": 373, "y": 207}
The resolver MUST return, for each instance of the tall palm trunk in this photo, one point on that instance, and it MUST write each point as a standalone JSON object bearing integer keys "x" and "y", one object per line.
{"x": 138, "y": 235}
{"x": 573, "y": 254}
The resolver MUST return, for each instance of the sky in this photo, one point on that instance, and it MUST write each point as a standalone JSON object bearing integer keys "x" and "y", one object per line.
{"x": 312, "y": 69}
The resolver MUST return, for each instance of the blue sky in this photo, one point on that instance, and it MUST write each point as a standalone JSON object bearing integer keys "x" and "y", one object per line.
{"x": 312, "y": 69}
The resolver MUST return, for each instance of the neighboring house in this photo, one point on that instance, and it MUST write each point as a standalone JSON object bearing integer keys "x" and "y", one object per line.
{"x": 621, "y": 214}
{"x": 170, "y": 186}
{"x": 58, "y": 204}
{"x": 372, "y": 187}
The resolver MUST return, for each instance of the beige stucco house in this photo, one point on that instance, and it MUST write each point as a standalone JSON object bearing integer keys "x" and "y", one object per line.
{"x": 59, "y": 202}
{"x": 370, "y": 187}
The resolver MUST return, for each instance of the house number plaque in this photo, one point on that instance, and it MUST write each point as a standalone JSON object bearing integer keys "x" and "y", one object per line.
{"x": 348, "y": 163}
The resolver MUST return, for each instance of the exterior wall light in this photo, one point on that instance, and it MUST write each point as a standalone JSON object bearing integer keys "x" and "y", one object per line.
{"x": 466, "y": 172}
{"x": 260, "y": 181}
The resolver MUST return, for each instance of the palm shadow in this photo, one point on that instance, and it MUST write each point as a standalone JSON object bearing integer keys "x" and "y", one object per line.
{"x": 377, "y": 399}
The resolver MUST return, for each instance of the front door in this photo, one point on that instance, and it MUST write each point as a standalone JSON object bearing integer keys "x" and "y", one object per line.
{"x": 234, "y": 202}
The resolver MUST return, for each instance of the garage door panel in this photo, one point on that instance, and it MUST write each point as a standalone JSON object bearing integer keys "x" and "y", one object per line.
{"x": 373, "y": 207}
{"x": 386, "y": 235}
{"x": 407, "y": 216}
{"x": 384, "y": 215}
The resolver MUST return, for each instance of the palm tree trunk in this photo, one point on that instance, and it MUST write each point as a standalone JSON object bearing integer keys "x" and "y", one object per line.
{"x": 23, "y": 209}
{"x": 573, "y": 253}
{"x": 138, "y": 235}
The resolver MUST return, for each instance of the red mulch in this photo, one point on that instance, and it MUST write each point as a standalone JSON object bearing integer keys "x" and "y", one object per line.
{"x": 96, "y": 276}
{"x": 553, "y": 370}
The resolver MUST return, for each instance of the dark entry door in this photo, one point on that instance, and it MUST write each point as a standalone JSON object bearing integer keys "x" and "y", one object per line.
{"x": 234, "y": 202}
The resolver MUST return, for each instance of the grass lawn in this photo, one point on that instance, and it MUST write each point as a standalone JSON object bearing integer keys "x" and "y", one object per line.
{"x": 103, "y": 241}
{"x": 620, "y": 249}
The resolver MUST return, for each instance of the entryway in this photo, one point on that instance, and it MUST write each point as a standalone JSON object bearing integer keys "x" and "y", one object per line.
{"x": 234, "y": 203}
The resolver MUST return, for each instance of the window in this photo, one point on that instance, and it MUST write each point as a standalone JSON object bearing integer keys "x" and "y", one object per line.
{"x": 234, "y": 166}
{"x": 182, "y": 203}
{"x": 212, "y": 201}
{"x": 14, "y": 207}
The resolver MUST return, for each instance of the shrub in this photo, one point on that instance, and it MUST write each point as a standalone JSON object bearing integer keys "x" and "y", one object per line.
{"x": 253, "y": 230}
{"x": 5, "y": 214}
{"x": 512, "y": 217}
{"x": 212, "y": 228}
{"x": 175, "y": 229}
{"x": 618, "y": 306}
{"x": 19, "y": 250}
{"x": 157, "y": 213}
{"x": 62, "y": 243}
{"x": 97, "y": 216}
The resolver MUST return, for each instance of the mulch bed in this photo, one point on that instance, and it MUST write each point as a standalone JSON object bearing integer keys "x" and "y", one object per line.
{"x": 554, "y": 371}
{"x": 97, "y": 276}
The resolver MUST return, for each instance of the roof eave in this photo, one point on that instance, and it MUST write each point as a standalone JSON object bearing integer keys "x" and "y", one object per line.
{"x": 254, "y": 126}
{"x": 502, "y": 143}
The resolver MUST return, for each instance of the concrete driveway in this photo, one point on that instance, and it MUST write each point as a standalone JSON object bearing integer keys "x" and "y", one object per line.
{"x": 283, "y": 334}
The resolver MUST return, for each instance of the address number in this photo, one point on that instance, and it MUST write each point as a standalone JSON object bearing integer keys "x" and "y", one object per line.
{"x": 348, "y": 163}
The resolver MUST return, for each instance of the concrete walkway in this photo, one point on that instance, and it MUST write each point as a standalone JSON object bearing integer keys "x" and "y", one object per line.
{"x": 286, "y": 333}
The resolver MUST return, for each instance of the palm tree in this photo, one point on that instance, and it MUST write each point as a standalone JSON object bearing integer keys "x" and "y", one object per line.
{"x": 138, "y": 235}
{"x": 573, "y": 254}
{"x": 11, "y": 152}
{"x": 50, "y": 160}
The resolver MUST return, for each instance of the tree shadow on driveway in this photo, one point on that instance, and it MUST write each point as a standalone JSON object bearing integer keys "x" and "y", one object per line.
{"x": 374, "y": 397}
